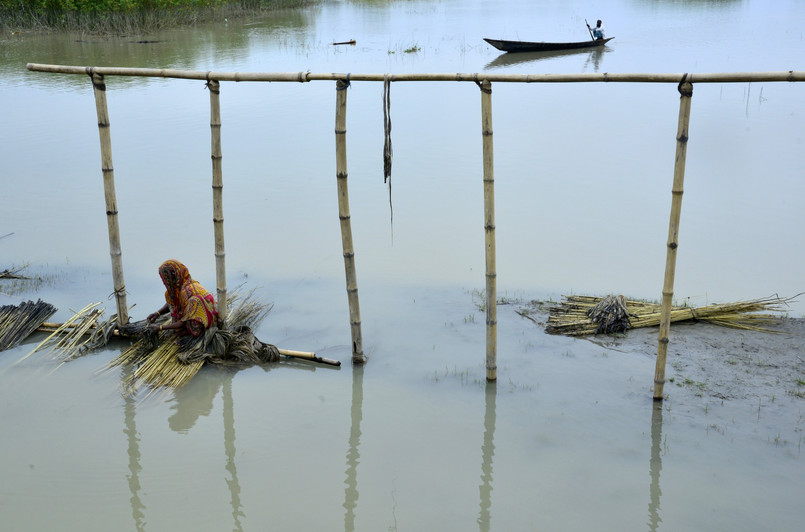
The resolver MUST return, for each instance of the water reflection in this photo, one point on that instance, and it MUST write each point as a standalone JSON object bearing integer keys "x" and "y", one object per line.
{"x": 129, "y": 411}
{"x": 194, "y": 401}
{"x": 353, "y": 455}
{"x": 655, "y": 466}
{"x": 592, "y": 59}
{"x": 487, "y": 454}
{"x": 229, "y": 447}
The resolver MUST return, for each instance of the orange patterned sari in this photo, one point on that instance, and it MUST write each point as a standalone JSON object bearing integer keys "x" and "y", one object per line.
{"x": 189, "y": 302}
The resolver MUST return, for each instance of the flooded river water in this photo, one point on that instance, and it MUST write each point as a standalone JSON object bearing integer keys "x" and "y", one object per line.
{"x": 568, "y": 438}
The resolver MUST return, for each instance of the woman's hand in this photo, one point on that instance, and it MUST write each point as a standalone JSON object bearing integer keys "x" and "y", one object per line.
{"x": 152, "y": 317}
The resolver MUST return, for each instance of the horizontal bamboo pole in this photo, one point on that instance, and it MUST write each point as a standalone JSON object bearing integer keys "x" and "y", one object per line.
{"x": 309, "y": 356}
{"x": 303, "y": 77}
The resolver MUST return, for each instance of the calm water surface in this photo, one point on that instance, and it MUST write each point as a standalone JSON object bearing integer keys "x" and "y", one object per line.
{"x": 567, "y": 439}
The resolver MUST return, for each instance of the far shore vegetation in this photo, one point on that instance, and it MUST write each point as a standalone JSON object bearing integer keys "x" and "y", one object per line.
{"x": 121, "y": 17}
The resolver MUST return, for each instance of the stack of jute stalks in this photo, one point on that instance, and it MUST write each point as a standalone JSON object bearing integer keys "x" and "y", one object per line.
{"x": 159, "y": 360}
{"x": 17, "y": 322}
{"x": 587, "y": 315}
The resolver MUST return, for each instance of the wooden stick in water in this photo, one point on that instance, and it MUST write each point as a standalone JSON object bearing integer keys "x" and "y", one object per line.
{"x": 309, "y": 356}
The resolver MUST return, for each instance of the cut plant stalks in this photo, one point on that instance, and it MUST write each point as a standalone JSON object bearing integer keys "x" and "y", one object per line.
{"x": 17, "y": 322}
{"x": 588, "y": 315}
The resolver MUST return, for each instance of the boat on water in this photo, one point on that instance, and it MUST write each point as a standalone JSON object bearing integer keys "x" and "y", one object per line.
{"x": 526, "y": 46}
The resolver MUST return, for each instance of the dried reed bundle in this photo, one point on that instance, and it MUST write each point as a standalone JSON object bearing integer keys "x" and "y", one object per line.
{"x": 17, "y": 322}
{"x": 66, "y": 340}
{"x": 586, "y": 315}
{"x": 245, "y": 311}
{"x": 610, "y": 315}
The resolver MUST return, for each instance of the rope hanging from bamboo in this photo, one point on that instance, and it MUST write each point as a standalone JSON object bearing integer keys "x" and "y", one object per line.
{"x": 387, "y": 150}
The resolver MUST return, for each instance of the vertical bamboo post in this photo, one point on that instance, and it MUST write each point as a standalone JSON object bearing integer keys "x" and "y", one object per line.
{"x": 107, "y": 168}
{"x": 217, "y": 196}
{"x": 686, "y": 92}
{"x": 343, "y": 214}
{"x": 489, "y": 230}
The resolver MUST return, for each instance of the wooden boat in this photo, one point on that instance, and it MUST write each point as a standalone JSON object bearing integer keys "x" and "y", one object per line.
{"x": 526, "y": 46}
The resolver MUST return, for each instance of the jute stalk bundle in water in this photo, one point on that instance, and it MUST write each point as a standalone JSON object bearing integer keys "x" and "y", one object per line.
{"x": 586, "y": 315}
{"x": 164, "y": 361}
{"x": 17, "y": 322}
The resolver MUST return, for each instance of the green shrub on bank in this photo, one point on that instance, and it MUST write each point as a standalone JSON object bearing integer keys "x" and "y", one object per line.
{"x": 94, "y": 6}
{"x": 125, "y": 16}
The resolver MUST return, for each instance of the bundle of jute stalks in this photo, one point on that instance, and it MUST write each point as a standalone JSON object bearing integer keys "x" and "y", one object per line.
{"x": 161, "y": 360}
{"x": 587, "y": 315}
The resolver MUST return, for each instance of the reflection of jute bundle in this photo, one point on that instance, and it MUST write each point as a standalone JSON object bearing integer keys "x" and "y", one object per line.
{"x": 586, "y": 315}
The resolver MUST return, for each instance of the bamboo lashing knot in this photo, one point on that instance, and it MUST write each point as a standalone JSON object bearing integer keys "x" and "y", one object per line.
{"x": 685, "y": 87}
{"x": 481, "y": 86}
{"x": 342, "y": 84}
{"x": 303, "y": 77}
{"x": 97, "y": 79}
{"x": 212, "y": 85}
{"x": 118, "y": 292}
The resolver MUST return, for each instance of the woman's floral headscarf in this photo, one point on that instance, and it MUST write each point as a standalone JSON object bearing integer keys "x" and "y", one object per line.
{"x": 189, "y": 302}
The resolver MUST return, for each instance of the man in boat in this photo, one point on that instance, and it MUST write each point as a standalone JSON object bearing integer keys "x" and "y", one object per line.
{"x": 597, "y": 31}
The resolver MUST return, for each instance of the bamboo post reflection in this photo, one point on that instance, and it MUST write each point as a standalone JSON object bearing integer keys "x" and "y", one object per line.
{"x": 655, "y": 466}
{"x": 229, "y": 447}
{"x": 487, "y": 454}
{"x": 353, "y": 454}
{"x": 129, "y": 414}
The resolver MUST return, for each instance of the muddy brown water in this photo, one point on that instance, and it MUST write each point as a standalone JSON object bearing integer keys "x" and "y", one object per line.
{"x": 568, "y": 438}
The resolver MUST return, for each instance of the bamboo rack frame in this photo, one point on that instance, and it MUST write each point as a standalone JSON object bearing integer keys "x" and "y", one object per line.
{"x": 108, "y": 170}
{"x": 489, "y": 233}
{"x": 685, "y": 84}
{"x": 303, "y": 77}
{"x": 341, "y": 87}
{"x": 686, "y": 93}
{"x": 218, "y": 195}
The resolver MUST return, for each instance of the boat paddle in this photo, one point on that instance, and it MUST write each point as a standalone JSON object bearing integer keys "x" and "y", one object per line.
{"x": 588, "y": 29}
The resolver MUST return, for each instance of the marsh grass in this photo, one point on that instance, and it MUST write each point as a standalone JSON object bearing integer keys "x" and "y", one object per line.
{"x": 17, "y": 16}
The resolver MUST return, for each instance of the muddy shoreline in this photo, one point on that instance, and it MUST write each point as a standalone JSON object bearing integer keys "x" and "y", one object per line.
{"x": 716, "y": 361}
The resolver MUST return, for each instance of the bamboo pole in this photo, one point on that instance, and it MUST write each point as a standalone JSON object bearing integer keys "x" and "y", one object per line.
{"x": 686, "y": 93}
{"x": 107, "y": 168}
{"x": 217, "y": 196}
{"x": 346, "y": 226}
{"x": 489, "y": 233}
{"x": 304, "y": 77}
